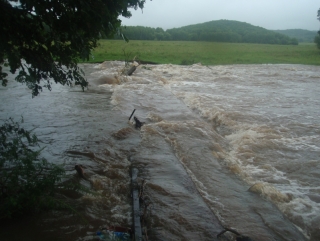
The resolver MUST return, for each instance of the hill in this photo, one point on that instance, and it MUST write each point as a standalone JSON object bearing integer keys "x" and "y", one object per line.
{"x": 213, "y": 31}
{"x": 303, "y": 36}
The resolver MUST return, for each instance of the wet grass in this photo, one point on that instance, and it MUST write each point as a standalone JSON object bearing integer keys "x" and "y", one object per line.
{"x": 208, "y": 53}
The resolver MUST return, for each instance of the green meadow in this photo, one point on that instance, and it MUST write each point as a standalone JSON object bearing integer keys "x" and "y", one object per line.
{"x": 207, "y": 53}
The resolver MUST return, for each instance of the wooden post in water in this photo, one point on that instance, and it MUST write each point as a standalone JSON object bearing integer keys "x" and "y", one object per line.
{"x": 132, "y": 114}
{"x": 136, "y": 206}
{"x": 131, "y": 70}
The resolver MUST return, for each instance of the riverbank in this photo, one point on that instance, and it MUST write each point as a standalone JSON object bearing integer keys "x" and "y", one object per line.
{"x": 207, "y": 53}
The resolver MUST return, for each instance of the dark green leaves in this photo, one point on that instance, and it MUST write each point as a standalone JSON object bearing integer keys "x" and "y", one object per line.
{"x": 45, "y": 39}
{"x": 27, "y": 181}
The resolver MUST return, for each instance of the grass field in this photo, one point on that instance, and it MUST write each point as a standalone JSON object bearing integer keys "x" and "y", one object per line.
{"x": 208, "y": 53}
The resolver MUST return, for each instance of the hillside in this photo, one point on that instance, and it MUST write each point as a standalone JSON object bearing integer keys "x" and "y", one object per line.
{"x": 230, "y": 31}
{"x": 303, "y": 36}
{"x": 213, "y": 31}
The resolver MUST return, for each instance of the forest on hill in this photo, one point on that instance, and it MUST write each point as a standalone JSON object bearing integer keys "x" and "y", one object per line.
{"x": 213, "y": 31}
{"x": 303, "y": 36}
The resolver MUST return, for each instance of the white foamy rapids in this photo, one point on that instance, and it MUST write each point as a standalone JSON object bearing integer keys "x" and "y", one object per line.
{"x": 215, "y": 140}
{"x": 278, "y": 170}
{"x": 269, "y": 115}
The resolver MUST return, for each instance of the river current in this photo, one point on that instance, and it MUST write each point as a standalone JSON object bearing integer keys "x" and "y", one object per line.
{"x": 234, "y": 146}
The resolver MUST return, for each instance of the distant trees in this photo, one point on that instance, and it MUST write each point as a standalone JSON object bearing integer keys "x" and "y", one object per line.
{"x": 214, "y": 31}
{"x": 144, "y": 33}
{"x": 317, "y": 38}
{"x": 303, "y": 36}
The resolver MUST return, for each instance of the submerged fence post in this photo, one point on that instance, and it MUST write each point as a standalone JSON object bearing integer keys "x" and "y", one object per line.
{"x": 132, "y": 114}
{"x": 136, "y": 206}
{"x": 131, "y": 70}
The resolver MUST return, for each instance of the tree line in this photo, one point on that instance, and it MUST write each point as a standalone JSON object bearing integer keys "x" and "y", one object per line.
{"x": 214, "y": 31}
{"x": 303, "y": 36}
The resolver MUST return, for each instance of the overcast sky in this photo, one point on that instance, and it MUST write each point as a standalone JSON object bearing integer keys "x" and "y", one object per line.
{"x": 269, "y": 14}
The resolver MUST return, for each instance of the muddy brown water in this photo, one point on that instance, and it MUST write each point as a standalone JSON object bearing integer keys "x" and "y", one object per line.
{"x": 222, "y": 146}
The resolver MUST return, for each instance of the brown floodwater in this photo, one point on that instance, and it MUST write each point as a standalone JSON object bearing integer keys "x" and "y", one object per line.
{"x": 222, "y": 146}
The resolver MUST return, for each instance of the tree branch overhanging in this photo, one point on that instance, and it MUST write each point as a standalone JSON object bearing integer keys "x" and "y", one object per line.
{"x": 49, "y": 37}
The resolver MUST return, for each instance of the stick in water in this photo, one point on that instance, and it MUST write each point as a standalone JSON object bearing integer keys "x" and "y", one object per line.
{"x": 132, "y": 113}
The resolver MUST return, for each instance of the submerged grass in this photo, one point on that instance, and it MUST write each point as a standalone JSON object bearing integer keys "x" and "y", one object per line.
{"x": 207, "y": 53}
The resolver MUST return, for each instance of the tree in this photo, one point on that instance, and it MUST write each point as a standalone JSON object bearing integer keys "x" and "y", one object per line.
{"x": 44, "y": 39}
{"x": 317, "y": 38}
{"x": 27, "y": 180}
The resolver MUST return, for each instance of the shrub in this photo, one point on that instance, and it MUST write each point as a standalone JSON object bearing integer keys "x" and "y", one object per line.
{"x": 317, "y": 40}
{"x": 27, "y": 181}
{"x": 187, "y": 62}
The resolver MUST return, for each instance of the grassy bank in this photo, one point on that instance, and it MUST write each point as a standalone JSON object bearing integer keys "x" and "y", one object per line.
{"x": 208, "y": 53}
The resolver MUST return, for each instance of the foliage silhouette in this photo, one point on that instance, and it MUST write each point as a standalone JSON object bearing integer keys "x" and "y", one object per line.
{"x": 44, "y": 40}
{"x": 27, "y": 181}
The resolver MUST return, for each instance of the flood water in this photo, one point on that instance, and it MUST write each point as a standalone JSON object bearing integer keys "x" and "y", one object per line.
{"x": 233, "y": 146}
